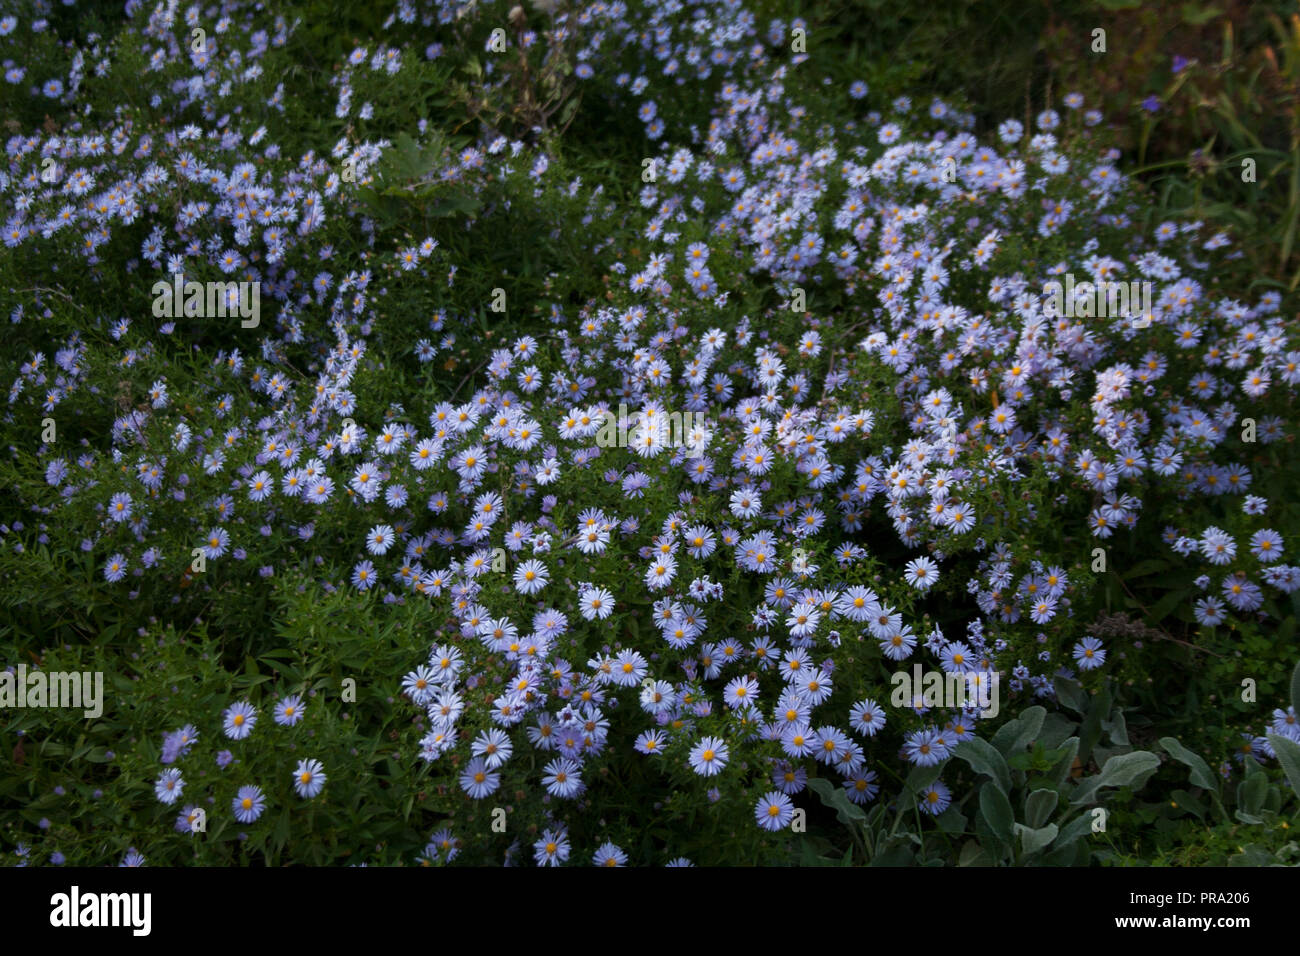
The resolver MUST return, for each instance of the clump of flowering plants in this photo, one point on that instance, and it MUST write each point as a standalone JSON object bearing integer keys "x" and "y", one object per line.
{"x": 794, "y": 406}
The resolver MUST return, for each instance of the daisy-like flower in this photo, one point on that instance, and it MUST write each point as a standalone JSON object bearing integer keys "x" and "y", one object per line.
{"x": 260, "y": 486}
{"x": 380, "y": 539}
{"x": 922, "y": 749}
{"x": 289, "y": 711}
{"x": 921, "y": 573}
{"x": 552, "y": 849}
{"x": 595, "y": 603}
{"x": 1209, "y": 612}
{"x": 650, "y": 742}
{"x": 169, "y": 786}
{"x": 861, "y": 786}
{"x": 119, "y": 507}
{"x": 1089, "y": 654}
{"x": 563, "y": 778}
{"x": 239, "y": 719}
{"x": 709, "y": 756}
{"x": 214, "y": 546}
{"x": 421, "y": 684}
{"x": 661, "y": 572}
{"x": 309, "y": 778}
{"x": 609, "y": 855}
{"x": 774, "y": 811}
{"x": 115, "y": 568}
{"x": 935, "y": 798}
{"x": 741, "y": 692}
{"x": 478, "y": 780}
{"x": 248, "y": 803}
{"x": 1266, "y": 545}
{"x": 867, "y": 717}
{"x": 187, "y": 819}
{"x": 494, "y": 746}
{"x": 531, "y": 576}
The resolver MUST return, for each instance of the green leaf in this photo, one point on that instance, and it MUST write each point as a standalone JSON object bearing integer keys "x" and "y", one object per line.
{"x": 1033, "y": 840}
{"x": 1288, "y": 755}
{"x": 984, "y": 758}
{"x": 1122, "y": 770}
{"x": 952, "y": 821}
{"x": 1039, "y": 806}
{"x": 1080, "y": 826}
{"x": 1160, "y": 610}
{"x": 898, "y": 854}
{"x": 1090, "y": 733}
{"x": 1197, "y": 15}
{"x": 1014, "y": 736}
{"x": 1061, "y": 770}
{"x": 1295, "y": 688}
{"x": 1201, "y": 775}
{"x": 1143, "y": 568}
{"x": 1069, "y": 693}
{"x": 1185, "y": 801}
{"x": 1252, "y": 854}
{"x": 1056, "y": 730}
{"x": 996, "y": 810}
{"x": 972, "y": 854}
{"x": 846, "y": 811}
{"x": 922, "y": 777}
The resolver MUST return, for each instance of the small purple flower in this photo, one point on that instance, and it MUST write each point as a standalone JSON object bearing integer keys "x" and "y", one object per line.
{"x": 1151, "y": 104}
